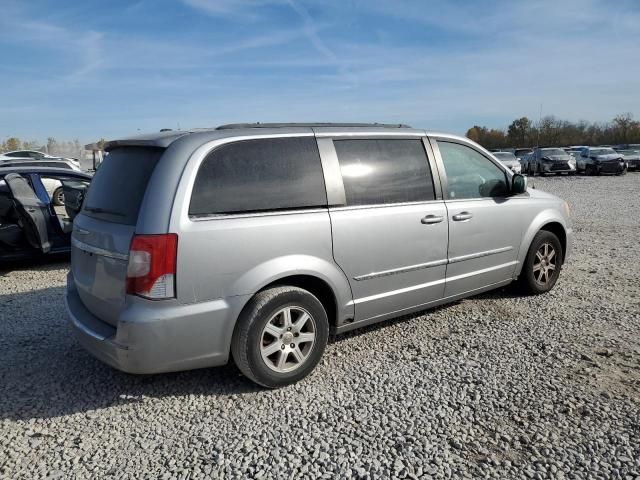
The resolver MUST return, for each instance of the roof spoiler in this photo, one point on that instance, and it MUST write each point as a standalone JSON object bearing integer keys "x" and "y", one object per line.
{"x": 158, "y": 140}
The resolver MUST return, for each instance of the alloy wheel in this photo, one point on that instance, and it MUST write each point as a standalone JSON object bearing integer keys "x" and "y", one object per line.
{"x": 287, "y": 339}
{"x": 544, "y": 265}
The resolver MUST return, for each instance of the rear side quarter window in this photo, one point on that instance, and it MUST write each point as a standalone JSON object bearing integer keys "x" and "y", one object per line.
{"x": 259, "y": 175}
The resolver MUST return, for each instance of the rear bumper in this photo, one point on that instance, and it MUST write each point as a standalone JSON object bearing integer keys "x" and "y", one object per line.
{"x": 153, "y": 337}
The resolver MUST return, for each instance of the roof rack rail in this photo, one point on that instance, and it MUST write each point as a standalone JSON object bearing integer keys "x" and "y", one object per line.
{"x": 232, "y": 126}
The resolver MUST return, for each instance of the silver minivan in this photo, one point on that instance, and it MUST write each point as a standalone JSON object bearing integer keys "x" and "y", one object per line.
{"x": 255, "y": 241}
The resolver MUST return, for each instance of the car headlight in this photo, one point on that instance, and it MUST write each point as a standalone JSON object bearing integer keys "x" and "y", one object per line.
{"x": 572, "y": 163}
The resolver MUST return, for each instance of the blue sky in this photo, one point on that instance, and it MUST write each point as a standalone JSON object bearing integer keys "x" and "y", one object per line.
{"x": 90, "y": 69}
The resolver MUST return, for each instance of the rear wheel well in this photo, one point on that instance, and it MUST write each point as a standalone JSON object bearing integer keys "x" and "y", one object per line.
{"x": 317, "y": 287}
{"x": 558, "y": 230}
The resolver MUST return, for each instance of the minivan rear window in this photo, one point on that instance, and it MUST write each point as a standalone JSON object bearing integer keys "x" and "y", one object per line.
{"x": 119, "y": 185}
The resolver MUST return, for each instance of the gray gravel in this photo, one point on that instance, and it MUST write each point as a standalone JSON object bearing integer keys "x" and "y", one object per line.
{"x": 492, "y": 387}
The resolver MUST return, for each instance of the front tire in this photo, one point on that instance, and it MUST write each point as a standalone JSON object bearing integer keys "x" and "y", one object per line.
{"x": 280, "y": 336}
{"x": 542, "y": 265}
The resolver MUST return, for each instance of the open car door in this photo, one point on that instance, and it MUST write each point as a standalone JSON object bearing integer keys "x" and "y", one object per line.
{"x": 32, "y": 212}
{"x": 74, "y": 193}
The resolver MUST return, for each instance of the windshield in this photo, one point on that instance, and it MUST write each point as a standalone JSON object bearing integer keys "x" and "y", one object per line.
{"x": 552, "y": 152}
{"x": 602, "y": 151}
{"x": 120, "y": 183}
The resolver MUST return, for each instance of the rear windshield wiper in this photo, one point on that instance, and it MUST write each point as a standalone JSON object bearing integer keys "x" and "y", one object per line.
{"x": 103, "y": 210}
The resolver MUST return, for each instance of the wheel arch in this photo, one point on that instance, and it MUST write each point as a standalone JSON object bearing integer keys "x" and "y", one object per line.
{"x": 550, "y": 221}
{"x": 317, "y": 287}
{"x": 320, "y": 277}
{"x": 558, "y": 230}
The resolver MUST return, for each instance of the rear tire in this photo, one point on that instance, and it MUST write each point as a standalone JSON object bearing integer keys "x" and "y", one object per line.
{"x": 280, "y": 336}
{"x": 58, "y": 197}
{"x": 542, "y": 265}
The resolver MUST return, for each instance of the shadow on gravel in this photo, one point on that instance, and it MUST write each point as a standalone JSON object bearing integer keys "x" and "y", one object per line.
{"x": 44, "y": 372}
{"x": 505, "y": 292}
{"x": 50, "y": 262}
{"x": 510, "y": 291}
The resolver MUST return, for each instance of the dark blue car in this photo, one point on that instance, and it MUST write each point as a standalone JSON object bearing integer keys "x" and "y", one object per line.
{"x": 32, "y": 221}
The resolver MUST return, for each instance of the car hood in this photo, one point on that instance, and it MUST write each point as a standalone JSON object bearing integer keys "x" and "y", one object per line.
{"x": 510, "y": 163}
{"x": 558, "y": 158}
{"x": 608, "y": 157}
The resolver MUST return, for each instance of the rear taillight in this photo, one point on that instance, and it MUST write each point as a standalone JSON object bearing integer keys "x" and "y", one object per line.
{"x": 151, "y": 272}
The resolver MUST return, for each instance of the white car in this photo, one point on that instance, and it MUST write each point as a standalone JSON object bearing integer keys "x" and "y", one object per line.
{"x": 35, "y": 155}
{"x": 53, "y": 187}
{"x": 509, "y": 160}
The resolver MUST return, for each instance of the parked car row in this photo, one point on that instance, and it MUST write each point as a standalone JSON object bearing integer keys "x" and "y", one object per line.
{"x": 35, "y": 155}
{"x": 53, "y": 188}
{"x": 571, "y": 160}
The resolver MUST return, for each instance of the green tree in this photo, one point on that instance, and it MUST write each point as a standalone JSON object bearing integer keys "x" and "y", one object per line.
{"x": 474, "y": 133}
{"x": 623, "y": 125}
{"x": 519, "y": 132}
{"x": 489, "y": 138}
{"x": 552, "y": 131}
{"x": 12, "y": 143}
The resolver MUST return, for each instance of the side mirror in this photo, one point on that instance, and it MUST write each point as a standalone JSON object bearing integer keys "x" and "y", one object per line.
{"x": 518, "y": 184}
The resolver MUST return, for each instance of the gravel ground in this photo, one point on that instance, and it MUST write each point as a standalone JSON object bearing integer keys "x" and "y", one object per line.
{"x": 497, "y": 386}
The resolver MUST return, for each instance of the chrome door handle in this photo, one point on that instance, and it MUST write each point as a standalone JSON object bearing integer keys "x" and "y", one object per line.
{"x": 462, "y": 216}
{"x": 431, "y": 219}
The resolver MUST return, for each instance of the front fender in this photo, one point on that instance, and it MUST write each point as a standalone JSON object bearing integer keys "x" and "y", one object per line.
{"x": 545, "y": 217}
{"x": 263, "y": 274}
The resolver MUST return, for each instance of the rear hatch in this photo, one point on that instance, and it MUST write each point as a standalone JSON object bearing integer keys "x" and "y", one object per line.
{"x": 104, "y": 228}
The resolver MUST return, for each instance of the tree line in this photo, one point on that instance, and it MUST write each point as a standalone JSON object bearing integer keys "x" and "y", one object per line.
{"x": 553, "y": 132}
{"x": 522, "y": 132}
{"x": 73, "y": 149}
